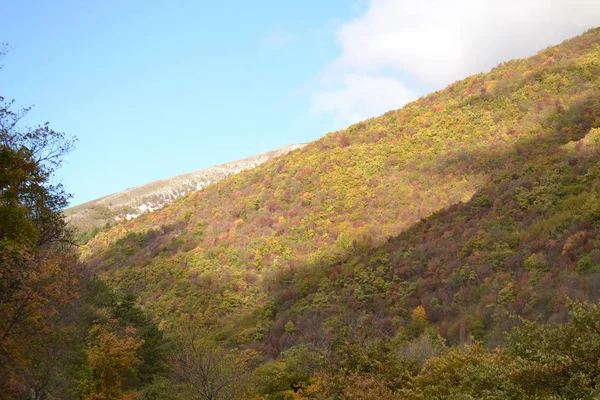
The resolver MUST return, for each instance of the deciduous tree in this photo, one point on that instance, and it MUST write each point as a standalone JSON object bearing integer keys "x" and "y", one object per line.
{"x": 37, "y": 263}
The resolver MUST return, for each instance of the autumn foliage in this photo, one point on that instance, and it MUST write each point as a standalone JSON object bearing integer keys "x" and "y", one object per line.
{"x": 38, "y": 272}
{"x": 466, "y": 205}
{"x": 449, "y": 249}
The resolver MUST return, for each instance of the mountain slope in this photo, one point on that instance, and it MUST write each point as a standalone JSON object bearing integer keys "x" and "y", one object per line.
{"x": 132, "y": 202}
{"x": 468, "y": 204}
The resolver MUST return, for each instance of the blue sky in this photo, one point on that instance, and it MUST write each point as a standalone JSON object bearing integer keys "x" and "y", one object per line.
{"x": 153, "y": 88}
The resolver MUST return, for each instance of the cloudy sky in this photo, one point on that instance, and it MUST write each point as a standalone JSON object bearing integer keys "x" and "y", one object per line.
{"x": 396, "y": 50}
{"x": 156, "y": 88}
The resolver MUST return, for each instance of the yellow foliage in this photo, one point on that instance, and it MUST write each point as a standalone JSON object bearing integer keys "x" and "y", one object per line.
{"x": 419, "y": 314}
{"x": 109, "y": 357}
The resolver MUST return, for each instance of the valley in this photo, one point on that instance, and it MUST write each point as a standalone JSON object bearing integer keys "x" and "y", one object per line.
{"x": 449, "y": 249}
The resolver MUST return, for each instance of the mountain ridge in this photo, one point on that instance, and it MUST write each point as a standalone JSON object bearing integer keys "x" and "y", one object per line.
{"x": 435, "y": 222}
{"x": 132, "y": 202}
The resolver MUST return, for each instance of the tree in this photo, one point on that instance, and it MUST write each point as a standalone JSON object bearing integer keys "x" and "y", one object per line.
{"x": 561, "y": 360}
{"x": 110, "y": 357}
{"x": 37, "y": 263}
{"x": 472, "y": 373}
{"x": 539, "y": 361}
{"x": 205, "y": 370}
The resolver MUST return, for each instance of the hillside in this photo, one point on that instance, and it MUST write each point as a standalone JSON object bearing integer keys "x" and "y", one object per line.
{"x": 466, "y": 206}
{"x": 135, "y": 201}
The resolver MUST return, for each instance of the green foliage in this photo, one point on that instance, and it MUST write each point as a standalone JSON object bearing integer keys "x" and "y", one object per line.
{"x": 590, "y": 263}
{"x": 472, "y": 373}
{"x": 123, "y": 352}
{"x": 535, "y": 263}
{"x": 560, "y": 361}
{"x": 465, "y": 206}
{"x": 38, "y": 266}
{"x": 539, "y": 362}
{"x": 292, "y": 370}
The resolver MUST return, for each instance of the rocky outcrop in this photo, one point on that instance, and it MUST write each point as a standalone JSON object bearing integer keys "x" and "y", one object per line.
{"x": 135, "y": 201}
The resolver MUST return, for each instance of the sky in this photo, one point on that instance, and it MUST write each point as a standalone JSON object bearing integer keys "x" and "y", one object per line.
{"x": 153, "y": 89}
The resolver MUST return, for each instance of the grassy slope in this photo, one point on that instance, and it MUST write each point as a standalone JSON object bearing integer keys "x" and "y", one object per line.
{"x": 475, "y": 201}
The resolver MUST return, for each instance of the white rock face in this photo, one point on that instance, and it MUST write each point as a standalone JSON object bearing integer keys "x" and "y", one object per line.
{"x": 136, "y": 201}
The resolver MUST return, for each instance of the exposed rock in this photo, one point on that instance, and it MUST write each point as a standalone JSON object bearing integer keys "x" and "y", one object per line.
{"x": 151, "y": 196}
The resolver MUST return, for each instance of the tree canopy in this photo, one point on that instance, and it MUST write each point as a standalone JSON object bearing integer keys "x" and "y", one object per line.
{"x": 37, "y": 264}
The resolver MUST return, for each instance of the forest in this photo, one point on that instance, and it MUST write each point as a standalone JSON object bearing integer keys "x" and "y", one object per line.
{"x": 446, "y": 250}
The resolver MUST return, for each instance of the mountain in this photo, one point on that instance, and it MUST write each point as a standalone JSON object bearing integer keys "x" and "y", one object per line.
{"x": 435, "y": 221}
{"x": 151, "y": 196}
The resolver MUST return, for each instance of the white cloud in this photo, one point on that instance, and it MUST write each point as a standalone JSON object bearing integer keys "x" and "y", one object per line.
{"x": 399, "y": 44}
{"x": 361, "y": 96}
